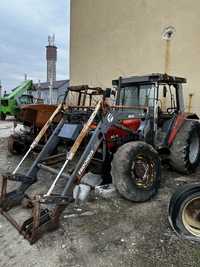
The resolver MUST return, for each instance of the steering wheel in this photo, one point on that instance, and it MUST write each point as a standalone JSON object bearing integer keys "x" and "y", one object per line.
{"x": 171, "y": 110}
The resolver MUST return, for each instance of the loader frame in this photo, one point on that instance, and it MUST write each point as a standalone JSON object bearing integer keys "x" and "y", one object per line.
{"x": 44, "y": 218}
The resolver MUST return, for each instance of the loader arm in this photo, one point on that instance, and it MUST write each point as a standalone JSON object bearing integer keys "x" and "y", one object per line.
{"x": 112, "y": 118}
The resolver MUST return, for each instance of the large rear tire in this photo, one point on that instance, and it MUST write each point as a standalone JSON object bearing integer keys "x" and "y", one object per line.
{"x": 184, "y": 211}
{"x": 136, "y": 171}
{"x": 185, "y": 150}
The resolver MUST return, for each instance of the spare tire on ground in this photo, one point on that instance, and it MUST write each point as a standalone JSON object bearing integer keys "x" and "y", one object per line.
{"x": 185, "y": 150}
{"x": 184, "y": 212}
{"x": 136, "y": 171}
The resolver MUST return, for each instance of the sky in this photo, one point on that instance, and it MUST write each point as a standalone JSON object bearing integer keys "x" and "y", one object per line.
{"x": 24, "y": 29}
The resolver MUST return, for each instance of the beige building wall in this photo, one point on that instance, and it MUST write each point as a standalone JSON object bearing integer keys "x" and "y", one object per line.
{"x": 110, "y": 38}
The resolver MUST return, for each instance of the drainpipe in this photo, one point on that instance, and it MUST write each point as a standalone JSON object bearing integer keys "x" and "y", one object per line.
{"x": 167, "y": 56}
{"x": 167, "y": 36}
{"x": 190, "y": 103}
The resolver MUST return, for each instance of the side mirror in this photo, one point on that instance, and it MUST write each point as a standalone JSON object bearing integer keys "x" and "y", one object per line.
{"x": 164, "y": 91}
{"x": 107, "y": 93}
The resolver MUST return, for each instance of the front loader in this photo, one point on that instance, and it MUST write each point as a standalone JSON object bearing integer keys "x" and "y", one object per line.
{"x": 124, "y": 142}
{"x": 34, "y": 116}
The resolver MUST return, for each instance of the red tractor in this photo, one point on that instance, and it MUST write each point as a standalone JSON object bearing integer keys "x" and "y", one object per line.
{"x": 174, "y": 133}
{"x": 165, "y": 129}
{"x": 124, "y": 141}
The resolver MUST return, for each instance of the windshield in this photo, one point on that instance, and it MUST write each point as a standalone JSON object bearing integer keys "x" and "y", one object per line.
{"x": 137, "y": 95}
{"x": 25, "y": 99}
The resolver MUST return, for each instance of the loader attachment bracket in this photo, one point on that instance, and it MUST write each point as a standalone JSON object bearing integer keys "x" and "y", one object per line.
{"x": 56, "y": 199}
{"x": 11, "y": 199}
{"x": 17, "y": 177}
{"x": 15, "y": 197}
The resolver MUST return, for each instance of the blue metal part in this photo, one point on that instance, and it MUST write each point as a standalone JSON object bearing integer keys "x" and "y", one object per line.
{"x": 70, "y": 131}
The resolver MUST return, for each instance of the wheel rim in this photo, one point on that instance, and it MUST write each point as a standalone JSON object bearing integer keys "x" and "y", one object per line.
{"x": 194, "y": 148}
{"x": 143, "y": 172}
{"x": 191, "y": 216}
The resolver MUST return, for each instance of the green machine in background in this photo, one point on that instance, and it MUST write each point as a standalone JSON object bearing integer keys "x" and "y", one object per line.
{"x": 10, "y": 103}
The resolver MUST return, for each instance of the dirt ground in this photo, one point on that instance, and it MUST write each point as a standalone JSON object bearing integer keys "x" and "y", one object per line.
{"x": 6, "y": 128}
{"x": 102, "y": 232}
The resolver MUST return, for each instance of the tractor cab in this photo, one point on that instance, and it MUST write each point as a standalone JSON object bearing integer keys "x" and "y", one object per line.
{"x": 152, "y": 90}
{"x": 155, "y": 100}
{"x": 81, "y": 102}
{"x": 25, "y": 99}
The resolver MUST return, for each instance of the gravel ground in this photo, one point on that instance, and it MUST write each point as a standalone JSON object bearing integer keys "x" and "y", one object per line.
{"x": 7, "y": 127}
{"x": 102, "y": 232}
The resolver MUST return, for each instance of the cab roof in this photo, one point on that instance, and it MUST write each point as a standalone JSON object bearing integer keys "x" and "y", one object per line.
{"x": 151, "y": 78}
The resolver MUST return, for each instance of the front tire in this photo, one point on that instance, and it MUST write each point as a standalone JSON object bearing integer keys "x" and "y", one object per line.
{"x": 16, "y": 146}
{"x": 136, "y": 171}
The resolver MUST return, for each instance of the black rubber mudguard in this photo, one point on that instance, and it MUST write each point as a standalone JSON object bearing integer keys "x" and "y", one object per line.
{"x": 174, "y": 208}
